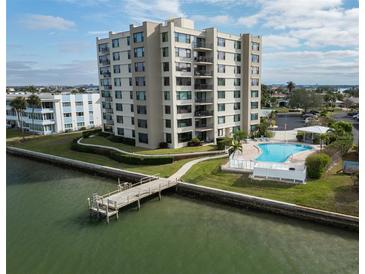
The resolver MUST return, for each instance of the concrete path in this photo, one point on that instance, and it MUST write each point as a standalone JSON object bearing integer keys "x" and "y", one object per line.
{"x": 181, "y": 172}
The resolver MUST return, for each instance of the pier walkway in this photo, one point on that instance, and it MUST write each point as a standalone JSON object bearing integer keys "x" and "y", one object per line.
{"x": 108, "y": 205}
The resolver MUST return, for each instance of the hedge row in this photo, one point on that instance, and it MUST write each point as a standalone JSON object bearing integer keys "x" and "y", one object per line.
{"x": 87, "y": 134}
{"x": 317, "y": 164}
{"x": 122, "y": 157}
{"x": 123, "y": 140}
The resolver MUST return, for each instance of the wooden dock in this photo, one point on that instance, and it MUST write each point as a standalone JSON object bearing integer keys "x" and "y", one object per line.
{"x": 108, "y": 205}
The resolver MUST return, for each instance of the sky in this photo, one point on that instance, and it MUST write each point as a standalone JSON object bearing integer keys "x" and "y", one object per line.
{"x": 53, "y": 42}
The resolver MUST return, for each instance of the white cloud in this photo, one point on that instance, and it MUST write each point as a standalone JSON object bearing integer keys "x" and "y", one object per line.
{"x": 46, "y": 22}
{"x": 98, "y": 32}
{"x": 280, "y": 41}
{"x": 216, "y": 20}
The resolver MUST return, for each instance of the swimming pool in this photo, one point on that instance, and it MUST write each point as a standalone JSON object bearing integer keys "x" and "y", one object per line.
{"x": 279, "y": 152}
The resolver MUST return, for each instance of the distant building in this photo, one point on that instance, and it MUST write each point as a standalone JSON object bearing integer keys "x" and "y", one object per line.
{"x": 59, "y": 112}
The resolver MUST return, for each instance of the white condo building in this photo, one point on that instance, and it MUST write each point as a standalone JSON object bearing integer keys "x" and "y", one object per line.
{"x": 169, "y": 82}
{"x": 58, "y": 113}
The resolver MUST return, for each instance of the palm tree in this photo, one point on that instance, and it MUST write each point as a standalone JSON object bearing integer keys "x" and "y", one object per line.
{"x": 323, "y": 138}
{"x": 236, "y": 146}
{"x": 31, "y": 89}
{"x": 290, "y": 86}
{"x": 19, "y": 104}
{"x": 34, "y": 102}
{"x": 239, "y": 135}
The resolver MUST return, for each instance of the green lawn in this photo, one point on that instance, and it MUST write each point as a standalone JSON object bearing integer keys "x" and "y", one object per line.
{"x": 15, "y": 132}
{"x": 333, "y": 192}
{"x": 99, "y": 140}
{"x": 59, "y": 145}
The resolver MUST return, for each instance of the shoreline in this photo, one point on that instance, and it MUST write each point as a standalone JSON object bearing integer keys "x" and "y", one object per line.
{"x": 205, "y": 193}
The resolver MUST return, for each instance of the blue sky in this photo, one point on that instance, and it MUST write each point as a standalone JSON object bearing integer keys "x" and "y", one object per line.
{"x": 306, "y": 41}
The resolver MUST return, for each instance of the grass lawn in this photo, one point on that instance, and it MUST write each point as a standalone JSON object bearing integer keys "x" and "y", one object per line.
{"x": 99, "y": 140}
{"x": 15, "y": 132}
{"x": 333, "y": 192}
{"x": 59, "y": 145}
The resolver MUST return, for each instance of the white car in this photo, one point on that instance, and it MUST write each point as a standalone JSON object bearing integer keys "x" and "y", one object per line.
{"x": 356, "y": 117}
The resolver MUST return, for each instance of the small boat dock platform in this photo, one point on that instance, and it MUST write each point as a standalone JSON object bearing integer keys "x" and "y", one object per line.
{"x": 108, "y": 205}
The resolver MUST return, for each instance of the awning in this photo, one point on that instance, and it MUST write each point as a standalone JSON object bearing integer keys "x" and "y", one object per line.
{"x": 314, "y": 129}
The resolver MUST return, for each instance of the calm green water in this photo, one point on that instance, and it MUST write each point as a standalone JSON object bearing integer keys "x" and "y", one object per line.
{"x": 49, "y": 231}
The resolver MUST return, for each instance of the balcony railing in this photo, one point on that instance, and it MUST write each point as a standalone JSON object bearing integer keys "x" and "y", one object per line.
{"x": 108, "y": 110}
{"x": 203, "y": 125}
{"x": 204, "y": 113}
{"x": 203, "y": 100}
{"x": 203, "y": 73}
{"x": 203, "y": 59}
{"x": 203, "y": 86}
{"x": 104, "y": 50}
{"x": 107, "y": 87}
{"x": 108, "y": 99}
{"x": 106, "y": 74}
{"x": 109, "y": 122}
{"x": 104, "y": 62}
{"x": 202, "y": 44}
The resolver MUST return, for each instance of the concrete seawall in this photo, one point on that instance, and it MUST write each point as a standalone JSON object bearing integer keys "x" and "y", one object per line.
{"x": 204, "y": 193}
{"x": 273, "y": 206}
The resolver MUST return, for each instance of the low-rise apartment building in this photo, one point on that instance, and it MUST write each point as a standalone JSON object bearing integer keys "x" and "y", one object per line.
{"x": 59, "y": 112}
{"x": 169, "y": 83}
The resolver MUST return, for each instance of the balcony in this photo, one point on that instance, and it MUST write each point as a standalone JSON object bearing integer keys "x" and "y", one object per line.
{"x": 203, "y": 126}
{"x": 109, "y": 122}
{"x": 203, "y": 74}
{"x": 104, "y": 50}
{"x": 107, "y": 87}
{"x": 202, "y": 46}
{"x": 104, "y": 62}
{"x": 108, "y": 110}
{"x": 108, "y": 99}
{"x": 203, "y": 59}
{"x": 106, "y": 74}
{"x": 204, "y": 113}
{"x": 204, "y": 100}
{"x": 203, "y": 86}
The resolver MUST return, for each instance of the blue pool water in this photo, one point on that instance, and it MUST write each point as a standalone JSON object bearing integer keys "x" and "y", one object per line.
{"x": 279, "y": 152}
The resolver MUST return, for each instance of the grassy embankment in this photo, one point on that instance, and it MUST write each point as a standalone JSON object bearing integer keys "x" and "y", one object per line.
{"x": 333, "y": 192}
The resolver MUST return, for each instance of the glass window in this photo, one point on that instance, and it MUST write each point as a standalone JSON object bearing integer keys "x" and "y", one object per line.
{"x": 165, "y": 66}
{"x": 221, "y": 68}
{"x": 254, "y": 82}
{"x": 221, "y": 42}
{"x": 115, "y": 43}
{"x": 237, "y": 44}
{"x": 66, "y": 104}
{"x": 142, "y": 123}
{"x": 141, "y": 109}
{"x": 141, "y": 95}
{"x": 183, "y": 81}
{"x": 79, "y": 113}
{"x": 132, "y": 108}
{"x": 255, "y": 70}
{"x": 237, "y": 70}
{"x": 116, "y": 56}
{"x": 183, "y": 109}
{"x": 254, "y": 93}
{"x": 237, "y": 94}
{"x": 129, "y": 54}
{"x": 181, "y": 52}
{"x": 255, "y": 58}
{"x": 184, "y": 122}
{"x": 253, "y": 127}
{"x": 221, "y": 107}
{"x": 143, "y": 138}
{"x": 254, "y": 116}
{"x": 220, "y": 132}
{"x": 139, "y": 52}
{"x": 221, "y": 119}
{"x": 165, "y": 37}
{"x": 237, "y": 106}
{"x": 221, "y": 55}
{"x": 168, "y": 138}
{"x": 80, "y": 103}
{"x": 254, "y": 105}
{"x": 184, "y": 137}
{"x": 236, "y": 118}
{"x": 128, "y": 40}
{"x": 183, "y": 95}
{"x": 67, "y": 114}
{"x": 255, "y": 46}
{"x": 116, "y": 68}
{"x": 235, "y": 129}
{"x": 167, "y": 110}
{"x": 182, "y": 37}
{"x": 221, "y": 94}
{"x": 166, "y": 95}
{"x": 140, "y": 81}
{"x": 118, "y": 94}
{"x": 139, "y": 66}
{"x": 221, "y": 82}
{"x": 166, "y": 81}
{"x": 120, "y": 131}
{"x": 138, "y": 37}
{"x": 117, "y": 82}
{"x": 237, "y": 57}
{"x": 168, "y": 123}
{"x": 186, "y": 67}
{"x": 237, "y": 81}
{"x": 165, "y": 52}
{"x": 119, "y": 107}
{"x": 119, "y": 119}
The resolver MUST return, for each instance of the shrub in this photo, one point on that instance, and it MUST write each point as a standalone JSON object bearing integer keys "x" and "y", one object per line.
{"x": 87, "y": 134}
{"x": 300, "y": 136}
{"x": 163, "y": 145}
{"x": 316, "y": 164}
{"x": 222, "y": 142}
{"x": 269, "y": 134}
{"x": 194, "y": 142}
{"x": 121, "y": 139}
{"x": 342, "y": 144}
{"x": 83, "y": 128}
{"x": 104, "y": 134}
{"x": 316, "y": 139}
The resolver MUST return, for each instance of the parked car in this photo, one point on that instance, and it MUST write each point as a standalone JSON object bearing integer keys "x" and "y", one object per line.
{"x": 307, "y": 115}
{"x": 356, "y": 117}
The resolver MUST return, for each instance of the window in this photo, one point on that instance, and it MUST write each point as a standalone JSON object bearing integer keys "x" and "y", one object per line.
{"x": 221, "y": 82}
{"x": 167, "y": 110}
{"x": 138, "y": 37}
{"x": 221, "y": 94}
{"x": 66, "y": 104}
{"x": 182, "y": 37}
{"x": 255, "y": 58}
{"x": 255, "y": 46}
{"x": 221, "y": 68}
{"x": 237, "y": 44}
{"x": 237, "y": 57}
{"x": 221, "y": 55}
{"x": 142, "y": 123}
{"x": 167, "y": 123}
{"x": 140, "y": 81}
{"x": 118, "y": 94}
{"x": 79, "y": 104}
{"x": 68, "y": 126}
{"x": 141, "y": 95}
{"x": 166, "y": 95}
{"x": 186, "y": 67}
{"x": 254, "y": 116}
{"x": 119, "y": 119}
{"x": 116, "y": 68}
{"x": 220, "y": 132}
{"x": 221, "y": 119}
{"x": 80, "y": 124}
{"x": 183, "y": 109}
{"x": 79, "y": 114}
{"x": 181, "y": 52}
{"x": 184, "y": 123}
{"x": 165, "y": 66}
{"x": 221, "y": 42}
{"x": 133, "y": 133}
{"x": 166, "y": 81}
{"x": 131, "y": 95}
{"x": 139, "y": 52}
{"x": 129, "y": 68}
{"x": 235, "y": 129}
{"x": 139, "y": 66}
{"x": 128, "y": 40}
{"x": 132, "y": 108}
{"x": 183, "y": 81}
{"x": 143, "y": 138}
{"x": 253, "y": 128}
{"x": 119, "y": 107}
{"x": 237, "y": 81}
{"x": 183, "y": 95}
{"x": 236, "y": 118}
{"x": 254, "y": 82}
{"x": 254, "y": 93}
{"x": 255, "y": 70}
{"x": 129, "y": 54}
{"x": 117, "y": 82}
{"x": 90, "y": 102}
{"x": 116, "y": 56}
{"x": 237, "y": 106}
{"x": 237, "y": 70}
{"x": 221, "y": 107}
{"x": 132, "y": 120}
{"x": 67, "y": 114}
{"x": 130, "y": 81}
{"x": 165, "y": 37}
{"x": 165, "y": 52}
{"x": 141, "y": 109}
{"x": 120, "y": 131}
{"x": 254, "y": 105}
{"x": 184, "y": 137}
{"x": 115, "y": 43}
{"x": 237, "y": 94}
{"x": 168, "y": 138}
